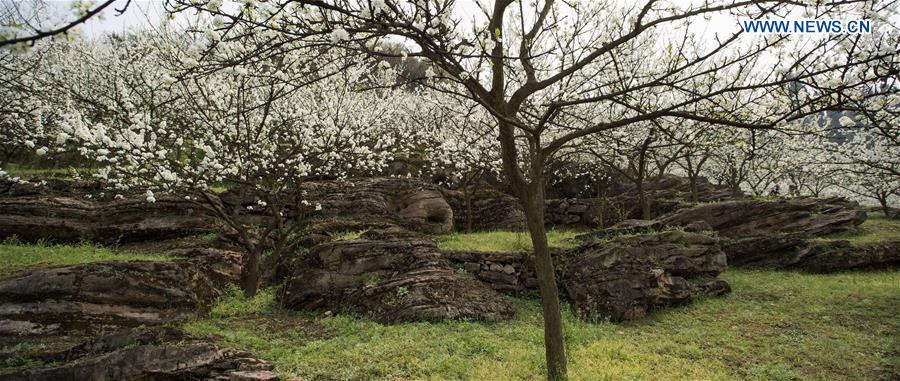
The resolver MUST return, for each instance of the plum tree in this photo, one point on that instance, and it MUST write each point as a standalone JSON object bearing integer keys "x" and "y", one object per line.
{"x": 157, "y": 120}
{"x": 544, "y": 69}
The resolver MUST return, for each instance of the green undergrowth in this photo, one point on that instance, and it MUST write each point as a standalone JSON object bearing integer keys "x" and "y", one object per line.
{"x": 504, "y": 241}
{"x": 773, "y": 326}
{"x": 27, "y": 171}
{"x": 877, "y": 228}
{"x": 349, "y": 235}
{"x": 16, "y": 356}
{"x": 17, "y": 257}
{"x": 235, "y": 304}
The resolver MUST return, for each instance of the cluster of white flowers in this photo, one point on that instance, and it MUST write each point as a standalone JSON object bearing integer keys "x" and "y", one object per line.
{"x": 246, "y": 124}
{"x": 156, "y": 121}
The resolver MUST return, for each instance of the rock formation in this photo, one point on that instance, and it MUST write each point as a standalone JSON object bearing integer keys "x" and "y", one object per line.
{"x": 493, "y": 210}
{"x": 94, "y": 297}
{"x": 777, "y": 234}
{"x": 410, "y": 203}
{"x": 792, "y": 251}
{"x": 808, "y": 216}
{"x": 62, "y": 212}
{"x": 511, "y": 273}
{"x": 391, "y": 280}
{"x": 618, "y": 278}
{"x": 626, "y": 277}
{"x": 490, "y": 209}
{"x": 832, "y": 256}
{"x": 148, "y": 354}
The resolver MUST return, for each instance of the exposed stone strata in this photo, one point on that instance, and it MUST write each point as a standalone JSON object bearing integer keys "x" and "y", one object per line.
{"x": 833, "y": 256}
{"x": 511, "y": 273}
{"x": 494, "y": 210}
{"x": 620, "y": 278}
{"x": 491, "y": 210}
{"x": 777, "y": 234}
{"x": 812, "y": 217}
{"x": 94, "y": 297}
{"x": 791, "y": 251}
{"x": 627, "y": 277}
{"x": 410, "y": 203}
{"x": 149, "y": 355}
{"x": 61, "y": 212}
{"x": 391, "y": 280}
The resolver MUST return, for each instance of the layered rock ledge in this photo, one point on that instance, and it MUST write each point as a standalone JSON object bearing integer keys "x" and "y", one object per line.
{"x": 628, "y": 276}
{"x": 60, "y": 211}
{"x": 96, "y": 297}
{"x": 390, "y": 281}
{"x": 148, "y": 354}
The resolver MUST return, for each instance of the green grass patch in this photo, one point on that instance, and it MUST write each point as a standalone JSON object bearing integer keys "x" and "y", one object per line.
{"x": 235, "y": 304}
{"x": 15, "y": 357}
{"x": 27, "y": 172}
{"x": 877, "y": 228}
{"x": 17, "y": 257}
{"x": 349, "y": 235}
{"x": 774, "y": 326}
{"x": 504, "y": 241}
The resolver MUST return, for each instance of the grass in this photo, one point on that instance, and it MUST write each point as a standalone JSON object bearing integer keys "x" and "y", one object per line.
{"x": 349, "y": 235}
{"x": 17, "y": 257}
{"x": 235, "y": 304}
{"x": 877, "y": 228}
{"x": 15, "y": 357}
{"x": 774, "y": 326}
{"x": 27, "y": 172}
{"x": 503, "y": 241}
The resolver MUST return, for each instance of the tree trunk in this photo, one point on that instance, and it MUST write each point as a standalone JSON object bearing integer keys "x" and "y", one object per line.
{"x": 533, "y": 203}
{"x": 642, "y": 200}
{"x": 884, "y": 207}
{"x": 693, "y": 180}
{"x": 467, "y": 198}
{"x": 250, "y": 272}
{"x": 531, "y": 196}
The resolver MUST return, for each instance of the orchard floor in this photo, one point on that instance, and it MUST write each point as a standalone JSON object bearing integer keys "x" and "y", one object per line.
{"x": 774, "y": 326}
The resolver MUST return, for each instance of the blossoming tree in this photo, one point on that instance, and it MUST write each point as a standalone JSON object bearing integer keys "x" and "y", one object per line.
{"x": 160, "y": 122}
{"x": 540, "y": 67}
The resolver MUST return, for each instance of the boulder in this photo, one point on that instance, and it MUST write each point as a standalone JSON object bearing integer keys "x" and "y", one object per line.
{"x": 491, "y": 210}
{"x": 511, "y": 273}
{"x": 149, "y": 355}
{"x": 767, "y": 250}
{"x": 391, "y": 280}
{"x": 834, "y": 256}
{"x": 410, "y": 203}
{"x": 619, "y": 201}
{"x": 795, "y": 251}
{"x": 378, "y": 208}
{"x": 63, "y": 214}
{"x": 428, "y": 207}
{"x": 777, "y": 234}
{"x": 494, "y": 210}
{"x": 95, "y": 296}
{"x": 808, "y": 216}
{"x": 626, "y": 277}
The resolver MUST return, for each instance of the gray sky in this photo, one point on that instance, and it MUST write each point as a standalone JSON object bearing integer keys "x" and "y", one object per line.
{"x": 139, "y": 14}
{"x": 142, "y": 13}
